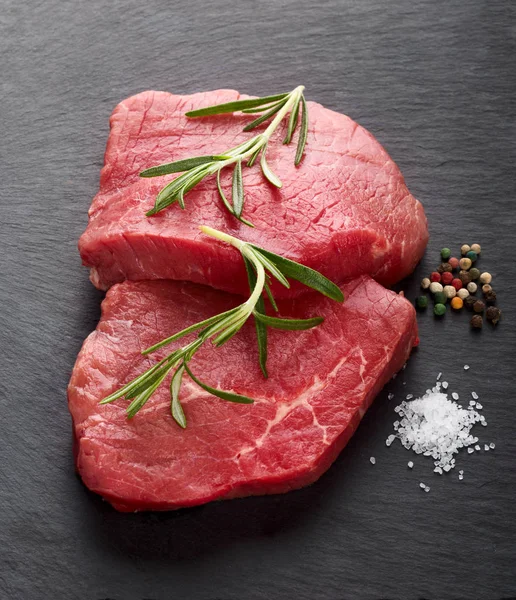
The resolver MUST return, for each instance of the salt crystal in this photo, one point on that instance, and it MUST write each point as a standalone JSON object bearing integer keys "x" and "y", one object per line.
{"x": 479, "y": 406}
{"x": 390, "y": 396}
{"x": 461, "y": 477}
{"x": 404, "y": 367}
{"x": 466, "y": 367}
{"x": 439, "y": 375}
{"x": 477, "y": 447}
{"x": 486, "y": 447}
{"x": 422, "y": 485}
{"x": 404, "y": 383}
{"x": 427, "y": 488}
{"x": 410, "y": 464}
{"x": 372, "y": 460}
{"x": 475, "y": 395}
{"x": 461, "y": 472}
{"x": 435, "y": 426}
{"x": 472, "y": 403}
{"x": 389, "y": 440}
{"x": 455, "y": 396}
{"x": 445, "y": 385}
{"x": 409, "y": 396}
{"x": 492, "y": 446}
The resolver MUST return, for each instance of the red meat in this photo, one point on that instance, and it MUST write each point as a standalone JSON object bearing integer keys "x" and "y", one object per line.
{"x": 321, "y": 382}
{"x": 344, "y": 211}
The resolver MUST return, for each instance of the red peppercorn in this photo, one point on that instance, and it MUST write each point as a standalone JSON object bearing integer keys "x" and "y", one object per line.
{"x": 454, "y": 262}
{"x": 435, "y": 276}
{"x": 446, "y": 278}
{"x": 457, "y": 284}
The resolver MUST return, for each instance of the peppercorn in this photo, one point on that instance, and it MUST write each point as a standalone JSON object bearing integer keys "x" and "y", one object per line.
{"x": 493, "y": 314}
{"x": 490, "y": 297}
{"x": 421, "y": 301}
{"x": 465, "y": 263}
{"x": 445, "y": 267}
{"x": 472, "y": 256}
{"x": 462, "y": 293}
{"x": 425, "y": 283}
{"x": 486, "y": 288}
{"x": 457, "y": 303}
{"x": 446, "y": 278}
{"x": 454, "y": 262}
{"x": 435, "y": 287}
{"x": 439, "y": 310}
{"x": 479, "y": 306}
{"x": 469, "y": 301}
{"x": 476, "y": 248}
{"x": 445, "y": 253}
{"x": 464, "y": 249}
{"x": 465, "y": 277}
{"x": 474, "y": 273}
{"x": 486, "y": 277}
{"x": 457, "y": 283}
{"x": 472, "y": 287}
{"x": 476, "y": 322}
{"x": 449, "y": 291}
{"x": 440, "y": 298}
{"x": 435, "y": 276}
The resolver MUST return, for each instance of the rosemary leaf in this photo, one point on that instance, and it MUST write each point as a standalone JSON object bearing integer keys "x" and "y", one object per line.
{"x": 175, "y": 405}
{"x": 292, "y": 122}
{"x": 271, "y": 297}
{"x": 237, "y": 105}
{"x": 305, "y": 275}
{"x": 229, "y": 396}
{"x": 227, "y": 204}
{"x": 272, "y": 268}
{"x": 180, "y": 165}
{"x": 190, "y": 329}
{"x": 269, "y": 174}
{"x": 238, "y": 189}
{"x": 261, "y": 329}
{"x": 288, "y": 324}
{"x": 254, "y": 156}
{"x": 139, "y": 402}
{"x": 303, "y": 134}
{"x": 257, "y": 122}
{"x": 260, "y": 109}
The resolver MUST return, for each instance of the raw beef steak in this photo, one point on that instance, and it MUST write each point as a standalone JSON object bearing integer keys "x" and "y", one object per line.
{"x": 344, "y": 211}
{"x": 320, "y": 384}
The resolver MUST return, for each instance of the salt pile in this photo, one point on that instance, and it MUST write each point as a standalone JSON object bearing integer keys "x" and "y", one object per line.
{"x": 435, "y": 426}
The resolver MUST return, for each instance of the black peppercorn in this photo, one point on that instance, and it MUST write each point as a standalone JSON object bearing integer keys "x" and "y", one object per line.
{"x": 444, "y": 267}
{"x": 469, "y": 301}
{"x": 479, "y": 306}
{"x": 476, "y": 322}
{"x": 493, "y": 314}
{"x": 490, "y": 297}
{"x": 465, "y": 277}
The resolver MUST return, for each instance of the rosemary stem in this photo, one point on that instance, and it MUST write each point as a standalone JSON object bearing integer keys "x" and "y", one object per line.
{"x": 284, "y": 110}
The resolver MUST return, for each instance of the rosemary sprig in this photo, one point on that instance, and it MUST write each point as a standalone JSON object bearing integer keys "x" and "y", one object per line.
{"x": 261, "y": 265}
{"x": 198, "y": 168}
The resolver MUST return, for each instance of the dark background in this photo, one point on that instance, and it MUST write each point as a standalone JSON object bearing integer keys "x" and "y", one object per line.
{"x": 435, "y": 82}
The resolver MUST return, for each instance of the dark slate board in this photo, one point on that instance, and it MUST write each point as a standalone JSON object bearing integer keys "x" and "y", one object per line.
{"x": 434, "y": 81}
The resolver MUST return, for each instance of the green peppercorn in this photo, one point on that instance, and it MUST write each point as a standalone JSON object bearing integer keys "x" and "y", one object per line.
{"x": 479, "y": 306}
{"x": 469, "y": 301}
{"x": 476, "y": 322}
{"x": 472, "y": 256}
{"x": 445, "y": 253}
{"x": 474, "y": 273}
{"x": 493, "y": 314}
{"x": 421, "y": 301}
{"x": 490, "y": 297}
{"x": 440, "y": 298}
{"x": 439, "y": 310}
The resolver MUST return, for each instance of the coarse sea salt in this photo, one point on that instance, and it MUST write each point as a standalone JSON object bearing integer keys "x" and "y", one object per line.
{"x": 372, "y": 460}
{"x": 435, "y": 426}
